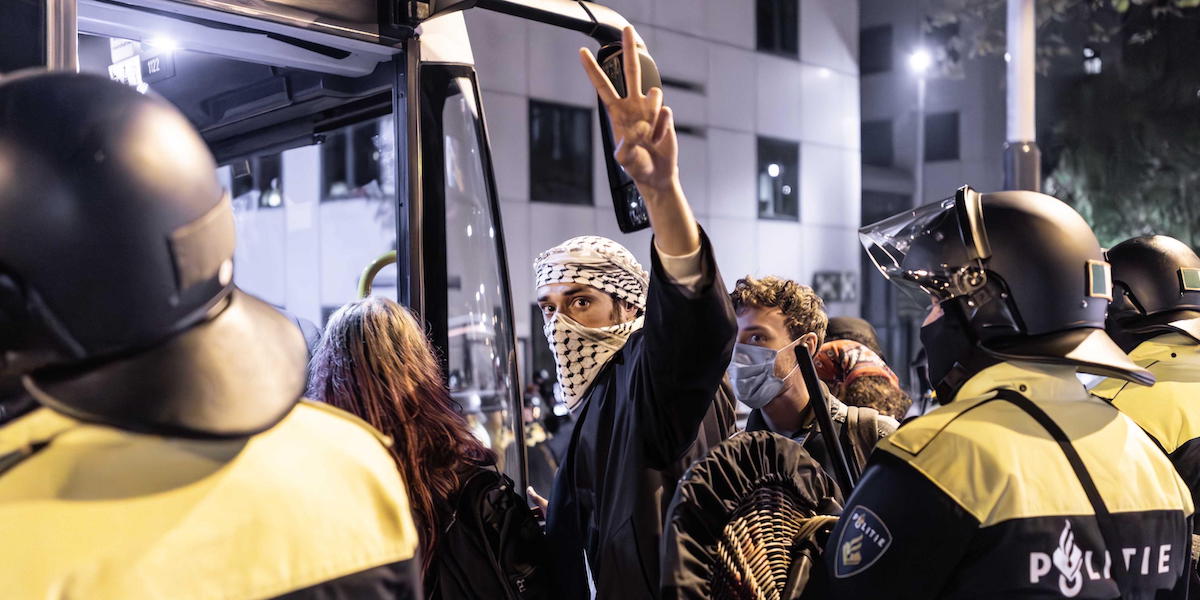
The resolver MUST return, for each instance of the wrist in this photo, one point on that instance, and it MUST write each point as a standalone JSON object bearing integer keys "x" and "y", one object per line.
{"x": 670, "y": 189}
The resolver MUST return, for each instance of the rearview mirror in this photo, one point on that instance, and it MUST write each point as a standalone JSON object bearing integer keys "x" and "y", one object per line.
{"x": 627, "y": 201}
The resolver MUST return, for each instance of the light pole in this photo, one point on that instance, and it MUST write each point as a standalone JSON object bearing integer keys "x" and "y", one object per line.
{"x": 919, "y": 62}
{"x": 1022, "y": 159}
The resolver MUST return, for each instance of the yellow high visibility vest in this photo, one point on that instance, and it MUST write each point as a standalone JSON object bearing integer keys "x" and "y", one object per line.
{"x": 90, "y": 511}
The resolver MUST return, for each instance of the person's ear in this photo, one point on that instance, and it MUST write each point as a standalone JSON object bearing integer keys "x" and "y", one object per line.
{"x": 810, "y": 341}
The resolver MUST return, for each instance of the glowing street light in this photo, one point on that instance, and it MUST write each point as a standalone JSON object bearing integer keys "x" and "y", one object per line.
{"x": 919, "y": 61}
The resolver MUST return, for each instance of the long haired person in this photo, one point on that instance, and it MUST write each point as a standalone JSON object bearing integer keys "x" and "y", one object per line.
{"x": 374, "y": 361}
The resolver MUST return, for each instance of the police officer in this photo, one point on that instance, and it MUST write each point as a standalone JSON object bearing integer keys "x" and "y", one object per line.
{"x": 1021, "y": 485}
{"x": 1155, "y": 317}
{"x": 172, "y": 458}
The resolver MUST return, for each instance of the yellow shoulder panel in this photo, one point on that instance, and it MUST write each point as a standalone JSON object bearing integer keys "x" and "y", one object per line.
{"x": 999, "y": 464}
{"x": 1169, "y": 411}
{"x": 106, "y": 513}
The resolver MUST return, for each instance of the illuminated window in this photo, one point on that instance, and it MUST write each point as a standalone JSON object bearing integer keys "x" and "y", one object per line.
{"x": 778, "y": 179}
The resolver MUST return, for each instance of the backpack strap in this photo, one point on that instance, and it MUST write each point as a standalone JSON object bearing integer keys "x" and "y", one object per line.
{"x": 1104, "y": 518}
{"x": 862, "y": 433}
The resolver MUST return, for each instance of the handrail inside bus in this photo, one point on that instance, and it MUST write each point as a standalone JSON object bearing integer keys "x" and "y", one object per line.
{"x": 368, "y": 275}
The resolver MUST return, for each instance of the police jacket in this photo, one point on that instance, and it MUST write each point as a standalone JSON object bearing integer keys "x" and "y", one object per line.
{"x": 857, "y": 428}
{"x": 648, "y": 415}
{"x": 977, "y": 500}
{"x": 1169, "y": 411}
{"x": 311, "y": 508}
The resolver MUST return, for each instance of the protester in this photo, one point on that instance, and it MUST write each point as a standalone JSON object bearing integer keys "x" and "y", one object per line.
{"x": 858, "y": 377}
{"x": 856, "y": 329}
{"x": 639, "y": 357}
{"x": 1021, "y": 486}
{"x": 173, "y": 458}
{"x": 774, "y": 316}
{"x": 374, "y": 361}
{"x": 1155, "y": 317}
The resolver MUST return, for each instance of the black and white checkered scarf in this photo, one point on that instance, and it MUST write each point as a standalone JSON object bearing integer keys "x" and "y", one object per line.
{"x": 580, "y": 352}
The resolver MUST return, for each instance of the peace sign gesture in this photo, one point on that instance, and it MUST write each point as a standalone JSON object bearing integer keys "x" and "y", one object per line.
{"x": 643, "y": 128}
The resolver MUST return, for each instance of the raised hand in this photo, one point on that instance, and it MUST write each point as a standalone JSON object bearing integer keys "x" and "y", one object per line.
{"x": 643, "y": 128}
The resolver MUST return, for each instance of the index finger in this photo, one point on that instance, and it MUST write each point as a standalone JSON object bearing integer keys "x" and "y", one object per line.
{"x": 600, "y": 81}
{"x": 633, "y": 66}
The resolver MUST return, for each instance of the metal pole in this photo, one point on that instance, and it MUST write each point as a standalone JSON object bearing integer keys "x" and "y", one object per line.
{"x": 1022, "y": 159}
{"x": 919, "y": 167}
{"x": 62, "y": 36}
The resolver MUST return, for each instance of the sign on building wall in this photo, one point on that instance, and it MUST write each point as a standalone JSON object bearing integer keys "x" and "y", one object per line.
{"x": 836, "y": 286}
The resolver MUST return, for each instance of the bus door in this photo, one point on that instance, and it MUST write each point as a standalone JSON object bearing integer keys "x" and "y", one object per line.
{"x": 336, "y": 144}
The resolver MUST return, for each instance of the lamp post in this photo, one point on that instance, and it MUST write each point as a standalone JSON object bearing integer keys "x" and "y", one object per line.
{"x": 1022, "y": 159}
{"x": 919, "y": 62}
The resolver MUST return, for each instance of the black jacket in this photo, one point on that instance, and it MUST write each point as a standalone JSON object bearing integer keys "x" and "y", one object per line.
{"x": 857, "y": 442}
{"x": 649, "y": 414}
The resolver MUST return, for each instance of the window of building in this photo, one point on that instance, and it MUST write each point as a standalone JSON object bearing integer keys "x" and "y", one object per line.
{"x": 875, "y": 50}
{"x": 941, "y": 136}
{"x": 778, "y": 179}
{"x": 876, "y": 138}
{"x": 350, "y": 162}
{"x": 779, "y": 27}
{"x": 560, "y": 153}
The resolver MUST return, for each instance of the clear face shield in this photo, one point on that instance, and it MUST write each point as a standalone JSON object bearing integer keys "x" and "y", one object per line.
{"x": 934, "y": 250}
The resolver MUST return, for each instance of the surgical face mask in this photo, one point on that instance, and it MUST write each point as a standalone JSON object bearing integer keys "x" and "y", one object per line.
{"x": 752, "y": 374}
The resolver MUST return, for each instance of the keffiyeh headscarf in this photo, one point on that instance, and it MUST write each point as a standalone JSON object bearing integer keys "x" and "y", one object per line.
{"x": 580, "y": 352}
{"x": 840, "y": 362}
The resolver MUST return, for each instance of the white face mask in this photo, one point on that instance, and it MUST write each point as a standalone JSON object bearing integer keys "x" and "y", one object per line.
{"x": 752, "y": 374}
{"x": 580, "y": 352}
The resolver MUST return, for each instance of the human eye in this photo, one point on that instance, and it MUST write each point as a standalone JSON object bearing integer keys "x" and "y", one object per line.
{"x": 581, "y": 302}
{"x": 547, "y": 309}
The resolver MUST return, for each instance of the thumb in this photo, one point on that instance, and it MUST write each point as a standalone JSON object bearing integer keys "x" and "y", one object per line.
{"x": 542, "y": 503}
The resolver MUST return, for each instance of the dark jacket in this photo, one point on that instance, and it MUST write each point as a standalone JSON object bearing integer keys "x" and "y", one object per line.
{"x": 857, "y": 442}
{"x": 648, "y": 415}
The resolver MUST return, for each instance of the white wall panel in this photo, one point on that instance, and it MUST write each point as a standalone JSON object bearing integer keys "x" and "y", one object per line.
{"x": 693, "y": 171}
{"x": 731, "y": 174}
{"x": 829, "y": 34}
{"x": 732, "y": 88}
{"x": 501, "y": 53}
{"x": 830, "y": 191}
{"x": 734, "y": 243}
{"x": 554, "y": 69}
{"x": 831, "y": 114}
{"x": 780, "y": 251}
{"x": 508, "y": 130}
{"x": 781, "y": 93}
{"x": 732, "y": 22}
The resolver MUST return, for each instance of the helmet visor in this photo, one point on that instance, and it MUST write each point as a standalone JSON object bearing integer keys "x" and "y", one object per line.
{"x": 936, "y": 249}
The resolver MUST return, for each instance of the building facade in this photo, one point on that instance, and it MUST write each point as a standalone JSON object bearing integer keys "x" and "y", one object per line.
{"x": 765, "y": 95}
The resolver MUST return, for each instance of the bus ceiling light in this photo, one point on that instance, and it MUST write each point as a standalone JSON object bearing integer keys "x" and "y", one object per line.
{"x": 919, "y": 61}
{"x": 163, "y": 43}
{"x": 773, "y": 170}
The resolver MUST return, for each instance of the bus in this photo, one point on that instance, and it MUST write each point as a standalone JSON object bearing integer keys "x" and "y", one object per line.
{"x": 344, "y": 130}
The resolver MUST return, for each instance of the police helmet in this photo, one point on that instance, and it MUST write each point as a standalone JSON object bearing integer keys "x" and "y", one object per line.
{"x": 1019, "y": 276}
{"x": 1156, "y": 290}
{"x": 116, "y": 266}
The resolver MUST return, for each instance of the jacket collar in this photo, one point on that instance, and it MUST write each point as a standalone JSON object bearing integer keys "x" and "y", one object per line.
{"x": 1044, "y": 382}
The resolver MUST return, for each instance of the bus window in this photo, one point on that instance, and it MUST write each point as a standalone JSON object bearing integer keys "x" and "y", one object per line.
{"x": 310, "y": 218}
{"x": 475, "y": 302}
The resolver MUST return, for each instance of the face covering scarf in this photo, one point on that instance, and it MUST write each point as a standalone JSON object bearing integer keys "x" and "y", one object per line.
{"x": 752, "y": 374}
{"x": 580, "y": 352}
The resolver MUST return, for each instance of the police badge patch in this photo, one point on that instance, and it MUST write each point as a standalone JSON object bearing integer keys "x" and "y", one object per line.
{"x": 864, "y": 539}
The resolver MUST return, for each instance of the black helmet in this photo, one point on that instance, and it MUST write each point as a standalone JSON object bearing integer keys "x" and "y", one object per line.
{"x": 1156, "y": 290}
{"x": 1019, "y": 275}
{"x": 116, "y": 247}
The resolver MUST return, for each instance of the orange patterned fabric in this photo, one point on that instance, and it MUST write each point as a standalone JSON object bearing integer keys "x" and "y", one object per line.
{"x": 840, "y": 362}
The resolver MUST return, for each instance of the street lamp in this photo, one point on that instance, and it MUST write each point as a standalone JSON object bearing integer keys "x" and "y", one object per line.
{"x": 919, "y": 62}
